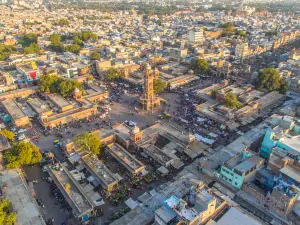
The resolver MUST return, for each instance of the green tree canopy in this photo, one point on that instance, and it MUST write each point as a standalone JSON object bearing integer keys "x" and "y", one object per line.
{"x": 10, "y": 136}
{"x": 95, "y": 56}
{"x": 77, "y": 41}
{"x": 66, "y": 87}
{"x": 5, "y": 51}
{"x": 240, "y": 33}
{"x": 54, "y": 84}
{"x": 29, "y": 39}
{"x": 269, "y": 78}
{"x": 112, "y": 74}
{"x": 231, "y": 101}
{"x": 22, "y": 153}
{"x": 213, "y": 93}
{"x": 86, "y": 35}
{"x": 6, "y": 216}
{"x": 283, "y": 87}
{"x": 32, "y": 48}
{"x": 159, "y": 86}
{"x": 56, "y": 44}
{"x": 62, "y": 22}
{"x": 49, "y": 83}
{"x": 271, "y": 33}
{"x": 74, "y": 48}
{"x": 89, "y": 142}
{"x": 55, "y": 38}
{"x": 200, "y": 66}
{"x": 228, "y": 29}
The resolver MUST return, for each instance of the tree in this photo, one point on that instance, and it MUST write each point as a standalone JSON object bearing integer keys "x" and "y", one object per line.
{"x": 112, "y": 74}
{"x": 200, "y": 66}
{"x": 89, "y": 142}
{"x": 29, "y": 39}
{"x": 49, "y": 83}
{"x": 269, "y": 78}
{"x": 95, "y": 56}
{"x": 5, "y": 51}
{"x": 54, "y": 84}
{"x": 22, "y": 153}
{"x": 86, "y": 35}
{"x": 32, "y": 48}
{"x": 159, "y": 86}
{"x": 228, "y": 29}
{"x": 74, "y": 48}
{"x": 77, "y": 41}
{"x": 213, "y": 93}
{"x": 231, "y": 101}
{"x": 56, "y": 44}
{"x": 66, "y": 87}
{"x": 10, "y": 136}
{"x": 271, "y": 33}
{"x": 283, "y": 87}
{"x": 62, "y": 22}
{"x": 7, "y": 217}
{"x": 240, "y": 33}
{"x": 55, "y": 39}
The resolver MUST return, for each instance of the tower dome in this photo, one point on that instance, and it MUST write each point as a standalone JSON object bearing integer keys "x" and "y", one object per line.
{"x": 135, "y": 130}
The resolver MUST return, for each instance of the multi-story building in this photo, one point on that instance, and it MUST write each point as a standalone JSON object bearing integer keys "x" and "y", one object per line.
{"x": 284, "y": 137}
{"x": 195, "y": 35}
{"x": 241, "y": 50}
{"x": 240, "y": 168}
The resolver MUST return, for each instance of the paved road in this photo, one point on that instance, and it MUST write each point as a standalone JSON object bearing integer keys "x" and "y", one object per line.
{"x": 43, "y": 194}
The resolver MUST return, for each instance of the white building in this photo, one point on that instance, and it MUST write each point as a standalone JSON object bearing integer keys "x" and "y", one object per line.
{"x": 195, "y": 35}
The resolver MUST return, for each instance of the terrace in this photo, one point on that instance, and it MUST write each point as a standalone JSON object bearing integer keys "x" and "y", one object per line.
{"x": 74, "y": 196}
{"x": 107, "y": 178}
{"x": 125, "y": 158}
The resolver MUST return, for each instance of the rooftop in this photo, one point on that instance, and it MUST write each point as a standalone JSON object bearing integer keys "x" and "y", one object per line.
{"x": 38, "y": 105}
{"x": 99, "y": 169}
{"x": 58, "y": 100}
{"x": 13, "y": 109}
{"x": 79, "y": 203}
{"x": 129, "y": 161}
{"x": 235, "y": 217}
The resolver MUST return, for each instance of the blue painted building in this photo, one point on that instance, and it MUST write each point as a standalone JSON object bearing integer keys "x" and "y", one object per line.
{"x": 240, "y": 168}
{"x": 284, "y": 137}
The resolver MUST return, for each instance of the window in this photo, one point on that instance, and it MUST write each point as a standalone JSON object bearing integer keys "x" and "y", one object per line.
{"x": 236, "y": 183}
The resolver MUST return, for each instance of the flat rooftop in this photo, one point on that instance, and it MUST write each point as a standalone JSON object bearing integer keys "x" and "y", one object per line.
{"x": 38, "y": 105}
{"x": 130, "y": 162}
{"x": 123, "y": 131}
{"x": 291, "y": 172}
{"x": 58, "y": 100}
{"x": 16, "y": 192}
{"x": 235, "y": 217}
{"x": 25, "y": 67}
{"x": 78, "y": 201}
{"x": 13, "y": 109}
{"x": 99, "y": 169}
{"x": 153, "y": 150}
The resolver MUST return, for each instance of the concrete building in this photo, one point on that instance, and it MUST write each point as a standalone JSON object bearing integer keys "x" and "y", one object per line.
{"x": 133, "y": 165}
{"x": 234, "y": 216}
{"x": 106, "y": 178}
{"x": 29, "y": 71}
{"x": 18, "y": 117}
{"x": 284, "y": 137}
{"x": 82, "y": 207}
{"x": 169, "y": 205}
{"x": 240, "y": 169}
{"x": 195, "y": 35}
{"x": 241, "y": 50}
